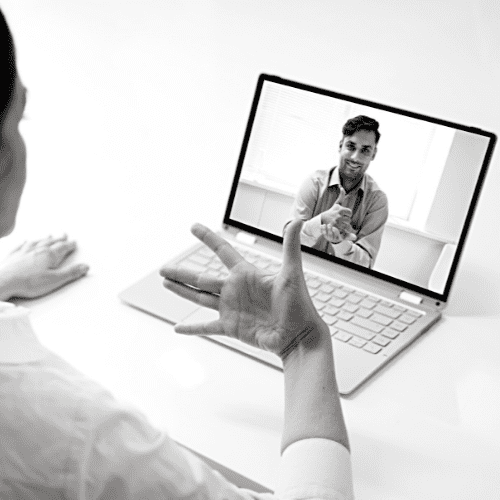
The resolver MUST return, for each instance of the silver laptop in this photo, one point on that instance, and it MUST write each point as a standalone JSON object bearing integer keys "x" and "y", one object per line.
{"x": 411, "y": 210}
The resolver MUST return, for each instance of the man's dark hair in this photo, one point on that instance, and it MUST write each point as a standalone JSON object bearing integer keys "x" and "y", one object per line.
{"x": 361, "y": 122}
{"x": 7, "y": 69}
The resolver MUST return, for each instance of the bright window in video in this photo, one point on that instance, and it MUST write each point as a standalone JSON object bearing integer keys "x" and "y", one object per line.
{"x": 296, "y": 130}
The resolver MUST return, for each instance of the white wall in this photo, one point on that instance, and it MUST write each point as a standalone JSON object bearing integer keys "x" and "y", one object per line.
{"x": 455, "y": 190}
{"x": 191, "y": 69}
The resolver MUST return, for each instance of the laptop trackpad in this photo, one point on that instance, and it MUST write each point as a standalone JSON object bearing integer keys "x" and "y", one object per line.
{"x": 149, "y": 295}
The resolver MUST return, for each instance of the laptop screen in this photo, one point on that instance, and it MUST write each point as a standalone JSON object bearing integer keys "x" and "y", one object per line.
{"x": 385, "y": 191}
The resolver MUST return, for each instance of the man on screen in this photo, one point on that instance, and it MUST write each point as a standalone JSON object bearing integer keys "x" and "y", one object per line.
{"x": 344, "y": 208}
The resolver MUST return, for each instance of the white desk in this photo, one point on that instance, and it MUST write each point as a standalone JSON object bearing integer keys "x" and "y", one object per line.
{"x": 128, "y": 101}
{"x": 427, "y": 423}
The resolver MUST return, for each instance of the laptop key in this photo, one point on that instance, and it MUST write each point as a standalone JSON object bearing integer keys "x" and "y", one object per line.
{"x": 336, "y": 302}
{"x": 397, "y": 325}
{"x": 368, "y": 324}
{"x": 344, "y": 315}
{"x": 327, "y": 288}
{"x": 379, "y": 318}
{"x": 380, "y": 340}
{"x": 322, "y": 296}
{"x": 344, "y": 337}
{"x": 389, "y": 332}
{"x": 374, "y": 349}
{"x": 407, "y": 318}
{"x": 341, "y": 294}
{"x": 350, "y": 307}
{"x": 387, "y": 311}
{"x": 329, "y": 309}
{"x": 313, "y": 283}
{"x": 364, "y": 313}
{"x": 368, "y": 304}
{"x": 328, "y": 318}
{"x": 355, "y": 299}
{"x": 318, "y": 304}
{"x": 354, "y": 329}
{"x": 357, "y": 342}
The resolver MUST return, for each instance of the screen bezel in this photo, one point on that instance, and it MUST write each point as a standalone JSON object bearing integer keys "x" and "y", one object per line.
{"x": 441, "y": 297}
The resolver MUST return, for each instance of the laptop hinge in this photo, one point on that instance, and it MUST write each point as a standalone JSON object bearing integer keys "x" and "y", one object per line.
{"x": 409, "y": 297}
{"x": 245, "y": 238}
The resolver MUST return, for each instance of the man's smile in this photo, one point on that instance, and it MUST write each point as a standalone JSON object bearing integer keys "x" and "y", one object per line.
{"x": 353, "y": 166}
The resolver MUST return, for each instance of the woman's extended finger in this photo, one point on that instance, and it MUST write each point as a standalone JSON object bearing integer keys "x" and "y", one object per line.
{"x": 226, "y": 253}
{"x": 211, "y": 328}
{"x": 197, "y": 296}
{"x": 191, "y": 278}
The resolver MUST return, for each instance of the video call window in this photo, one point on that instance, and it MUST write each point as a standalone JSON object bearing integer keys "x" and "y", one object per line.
{"x": 427, "y": 171}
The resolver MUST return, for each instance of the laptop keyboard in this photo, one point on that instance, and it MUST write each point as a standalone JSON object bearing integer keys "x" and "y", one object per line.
{"x": 355, "y": 317}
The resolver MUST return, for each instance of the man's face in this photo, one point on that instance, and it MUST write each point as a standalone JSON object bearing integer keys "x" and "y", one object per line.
{"x": 356, "y": 153}
{"x": 12, "y": 161}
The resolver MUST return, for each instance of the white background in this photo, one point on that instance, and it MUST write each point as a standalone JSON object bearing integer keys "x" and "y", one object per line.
{"x": 131, "y": 100}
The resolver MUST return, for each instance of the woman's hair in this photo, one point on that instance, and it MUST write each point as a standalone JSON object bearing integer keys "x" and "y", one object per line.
{"x": 7, "y": 68}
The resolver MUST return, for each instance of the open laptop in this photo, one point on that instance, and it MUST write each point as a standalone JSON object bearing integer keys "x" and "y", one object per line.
{"x": 431, "y": 172}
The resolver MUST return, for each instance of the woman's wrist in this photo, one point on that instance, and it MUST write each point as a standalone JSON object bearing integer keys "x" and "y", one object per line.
{"x": 313, "y": 337}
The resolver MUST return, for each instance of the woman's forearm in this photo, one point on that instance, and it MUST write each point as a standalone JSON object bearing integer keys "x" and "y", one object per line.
{"x": 312, "y": 403}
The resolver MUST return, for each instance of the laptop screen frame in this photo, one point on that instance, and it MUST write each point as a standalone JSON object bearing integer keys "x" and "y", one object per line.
{"x": 441, "y": 297}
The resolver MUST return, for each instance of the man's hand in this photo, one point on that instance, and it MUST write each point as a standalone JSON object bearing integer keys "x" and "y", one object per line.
{"x": 266, "y": 310}
{"x": 338, "y": 216}
{"x": 35, "y": 268}
{"x": 334, "y": 235}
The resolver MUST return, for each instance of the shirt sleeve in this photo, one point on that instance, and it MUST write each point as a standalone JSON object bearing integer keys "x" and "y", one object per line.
{"x": 365, "y": 249}
{"x": 303, "y": 208}
{"x": 127, "y": 458}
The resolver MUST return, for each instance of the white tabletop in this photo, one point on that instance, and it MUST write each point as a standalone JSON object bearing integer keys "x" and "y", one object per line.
{"x": 136, "y": 114}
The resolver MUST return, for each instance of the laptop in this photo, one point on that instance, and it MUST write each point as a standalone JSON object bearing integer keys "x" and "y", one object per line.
{"x": 394, "y": 282}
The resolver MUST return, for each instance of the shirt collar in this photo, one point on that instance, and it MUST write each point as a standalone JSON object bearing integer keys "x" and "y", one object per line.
{"x": 18, "y": 342}
{"x": 335, "y": 181}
